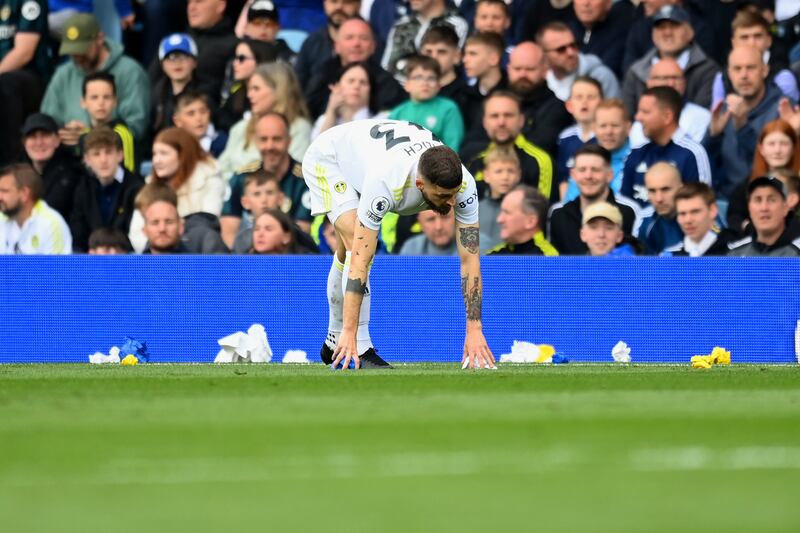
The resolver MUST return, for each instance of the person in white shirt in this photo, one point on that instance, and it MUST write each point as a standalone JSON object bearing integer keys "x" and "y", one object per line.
{"x": 27, "y": 224}
{"x": 357, "y": 173}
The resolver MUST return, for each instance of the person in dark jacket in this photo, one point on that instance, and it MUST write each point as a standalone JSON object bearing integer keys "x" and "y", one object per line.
{"x": 697, "y": 212}
{"x": 523, "y": 214}
{"x": 104, "y": 199}
{"x": 60, "y": 169}
{"x": 601, "y": 28}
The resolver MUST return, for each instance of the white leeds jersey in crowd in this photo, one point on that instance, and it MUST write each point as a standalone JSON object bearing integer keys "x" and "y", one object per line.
{"x": 378, "y": 158}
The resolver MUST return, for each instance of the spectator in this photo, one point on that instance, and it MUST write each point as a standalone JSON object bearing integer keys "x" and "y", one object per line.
{"x": 193, "y": 114}
{"x": 694, "y": 119}
{"x": 777, "y": 149}
{"x": 601, "y": 231}
{"x": 318, "y": 46}
{"x": 61, "y": 171}
{"x": 100, "y": 100}
{"x": 425, "y": 107}
{"x": 659, "y": 229}
{"x": 770, "y": 213}
{"x": 438, "y": 235}
{"x": 523, "y": 214}
{"x": 213, "y": 33}
{"x": 494, "y": 16}
{"x": 592, "y": 174}
{"x": 106, "y": 198}
{"x": 736, "y": 123}
{"x": 180, "y": 162}
{"x": 565, "y": 63}
{"x": 697, "y": 213}
{"x": 272, "y": 141}
{"x": 27, "y": 224}
{"x": 502, "y": 173}
{"x": 272, "y": 88}
{"x": 441, "y": 43}
{"x": 585, "y": 96}
{"x": 503, "y": 121}
{"x": 354, "y": 43}
{"x": 91, "y": 52}
{"x": 539, "y": 13}
{"x": 545, "y": 115}
{"x": 274, "y": 234}
{"x": 600, "y": 29}
{"x": 659, "y": 110}
{"x": 673, "y": 37}
{"x": 353, "y": 97}
{"x": 113, "y": 17}
{"x": 751, "y": 29}
{"x": 640, "y": 36}
{"x": 406, "y": 35}
{"x": 24, "y": 68}
{"x": 262, "y": 24}
{"x": 178, "y": 56}
{"x": 163, "y": 226}
{"x": 108, "y": 241}
{"x": 160, "y": 18}
{"x": 483, "y": 54}
{"x": 249, "y": 54}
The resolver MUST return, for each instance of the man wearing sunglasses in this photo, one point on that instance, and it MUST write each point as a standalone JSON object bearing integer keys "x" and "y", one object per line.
{"x": 565, "y": 62}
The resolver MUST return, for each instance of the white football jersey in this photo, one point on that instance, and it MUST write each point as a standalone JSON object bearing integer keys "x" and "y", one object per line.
{"x": 44, "y": 233}
{"x": 378, "y": 158}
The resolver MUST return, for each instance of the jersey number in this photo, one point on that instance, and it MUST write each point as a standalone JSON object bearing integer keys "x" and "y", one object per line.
{"x": 391, "y": 140}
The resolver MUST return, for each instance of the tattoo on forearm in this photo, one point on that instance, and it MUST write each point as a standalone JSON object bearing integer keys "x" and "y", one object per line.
{"x": 470, "y": 239}
{"x": 473, "y": 298}
{"x": 355, "y": 285}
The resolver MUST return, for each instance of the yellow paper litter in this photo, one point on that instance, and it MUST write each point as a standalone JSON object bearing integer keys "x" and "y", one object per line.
{"x": 718, "y": 356}
{"x": 129, "y": 360}
{"x": 546, "y": 353}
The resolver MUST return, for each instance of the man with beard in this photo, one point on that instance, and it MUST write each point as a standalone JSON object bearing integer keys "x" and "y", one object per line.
{"x": 357, "y": 173}
{"x": 545, "y": 114}
{"x": 272, "y": 140}
{"x": 27, "y": 224}
{"x": 91, "y": 52}
{"x": 318, "y": 46}
{"x": 503, "y": 121}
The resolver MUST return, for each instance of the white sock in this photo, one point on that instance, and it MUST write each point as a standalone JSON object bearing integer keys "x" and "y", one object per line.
{"x": 363, "y": 340}
{"x": 335, "y": 302}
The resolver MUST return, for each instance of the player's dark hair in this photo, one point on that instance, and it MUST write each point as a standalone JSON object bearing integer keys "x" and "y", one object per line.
{"x": 534, "y": 203}
{"x": 441, "y": 166}
{"x": 26, "y": 177}
{"x": 99, "y": 76}
{"x": 667, "y": 98}
{"x": 110, "y": 238}
{"x": 594, "y": 149}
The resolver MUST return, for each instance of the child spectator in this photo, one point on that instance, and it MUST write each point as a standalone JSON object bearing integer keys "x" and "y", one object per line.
{"x": 424, "y": 107}
{"x": 274, "y": 234}
{"x": 585, "y": 95}
{"x": 352, "y": 98}
{"x": 106, "y": 198}
{"x": 178, "y": 56}
{"x": 263, "y": 24}
{"x": 109, "y": 241}
{"x": 100, "y": 100}
{"x": 262, "y": 191}
{"x": 502, "y": 172}
{"x": 441, "y": 43}
{"x": 492, "y": 15}
{"x": 193, "y": 114}
{"x": 483, "y": 54}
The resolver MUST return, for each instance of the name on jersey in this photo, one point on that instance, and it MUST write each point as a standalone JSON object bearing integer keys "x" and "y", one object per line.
{"x": 469, "y": 201}
{"x": 7, "y": 31}
{"x": 417, "y": 147}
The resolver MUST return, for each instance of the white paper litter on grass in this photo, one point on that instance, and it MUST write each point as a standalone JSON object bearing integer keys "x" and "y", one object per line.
{"x": 521, "y": 352}
{"x": 250, "y": 347}
{"x": 621, "y": 353}
{"x": 295, "y": 357}
{"x": 98, "y": 358}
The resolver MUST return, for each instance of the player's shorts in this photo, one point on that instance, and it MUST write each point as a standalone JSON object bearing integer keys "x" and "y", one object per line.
{"x": 331, "y": 195}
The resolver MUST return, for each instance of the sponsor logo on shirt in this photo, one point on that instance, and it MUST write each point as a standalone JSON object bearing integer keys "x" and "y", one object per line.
{"x": 378, "y": 208}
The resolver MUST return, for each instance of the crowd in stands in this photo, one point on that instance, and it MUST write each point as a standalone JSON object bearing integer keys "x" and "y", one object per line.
{"x": 592, "y": 127}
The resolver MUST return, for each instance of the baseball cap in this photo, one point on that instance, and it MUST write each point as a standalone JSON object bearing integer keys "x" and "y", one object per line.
{"x": 39, "y": 122}
{"x": 767, "y": 181}
{"x": 80, "y": 31}
{"x": 673, "y": 13}
{"x": 177, "y": 42}
{"x": 603, "y": 210}
{"x": 262, "y": 9}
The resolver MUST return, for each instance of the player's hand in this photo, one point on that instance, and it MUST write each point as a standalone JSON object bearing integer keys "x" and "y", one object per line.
{"x": 476, "y": 352}
{"x": 346, "y": 351}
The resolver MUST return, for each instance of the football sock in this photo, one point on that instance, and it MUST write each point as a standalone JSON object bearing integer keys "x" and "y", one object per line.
{"x": 335, "y": 302}
{"x": 363, "y": 340}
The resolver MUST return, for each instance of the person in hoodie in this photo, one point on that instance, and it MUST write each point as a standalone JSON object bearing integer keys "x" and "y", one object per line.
{"x": 91, "y": 52}
{"x": 737, "y": 122}
{"x": 565, "y": 63}
{"x": 673, "y": 37}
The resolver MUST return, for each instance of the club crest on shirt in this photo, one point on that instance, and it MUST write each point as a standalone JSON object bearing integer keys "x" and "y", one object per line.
{"x": 340, "y": 187}
{"x": 5, "y": 13}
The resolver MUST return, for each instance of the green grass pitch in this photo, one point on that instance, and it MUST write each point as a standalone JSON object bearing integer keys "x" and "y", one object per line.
{"x": 422, "y": 448}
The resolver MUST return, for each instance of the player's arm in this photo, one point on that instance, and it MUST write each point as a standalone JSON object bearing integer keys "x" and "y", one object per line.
{"x": 476, "y": 351}
{"x": 24, "y": 49}
{"x": 365, "y": 242}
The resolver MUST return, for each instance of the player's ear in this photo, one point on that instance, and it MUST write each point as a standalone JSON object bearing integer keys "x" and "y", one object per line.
{"x": 420, "y": 184}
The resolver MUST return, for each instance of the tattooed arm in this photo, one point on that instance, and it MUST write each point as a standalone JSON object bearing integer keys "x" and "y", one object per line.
{"x": 365, "y": 242}
{"x": 476, "y": 351}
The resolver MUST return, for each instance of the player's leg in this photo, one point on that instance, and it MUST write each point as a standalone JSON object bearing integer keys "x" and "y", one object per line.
{"x": 335, "y": 301}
